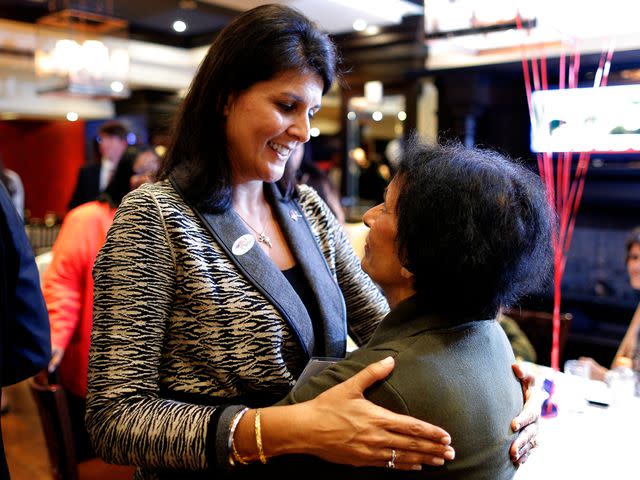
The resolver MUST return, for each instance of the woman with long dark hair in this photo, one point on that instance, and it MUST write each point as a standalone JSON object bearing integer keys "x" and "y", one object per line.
{"x": 217, "y": 284}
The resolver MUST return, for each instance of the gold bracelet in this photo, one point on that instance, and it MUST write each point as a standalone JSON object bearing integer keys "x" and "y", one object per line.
{"x": 232, "y": 444}
{"x": 258, "y": 429}
{"x": 236, "y": 456}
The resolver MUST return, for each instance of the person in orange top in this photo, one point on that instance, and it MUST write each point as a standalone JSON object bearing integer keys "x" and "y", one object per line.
{"x": 68, "y": 285}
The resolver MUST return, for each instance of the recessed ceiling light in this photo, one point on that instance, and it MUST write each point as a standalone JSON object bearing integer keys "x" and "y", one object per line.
{"x": 179, "y": 26}
{"x": 72, "y": 116}
{"x": 132, "y": 138}
{"x": 117, "y": 86}
{"x": 160, "y": 150}
{"x": 359, "y": 25}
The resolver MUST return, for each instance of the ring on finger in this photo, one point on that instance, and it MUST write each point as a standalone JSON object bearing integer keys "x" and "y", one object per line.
{"x": 392, "y": 463}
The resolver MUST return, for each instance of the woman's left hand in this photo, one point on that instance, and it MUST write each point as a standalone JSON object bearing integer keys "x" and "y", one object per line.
{"x": 526, "y": 423}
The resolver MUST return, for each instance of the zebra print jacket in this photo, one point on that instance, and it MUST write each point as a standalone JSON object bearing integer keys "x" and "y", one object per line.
{"x": 184, "y": 330}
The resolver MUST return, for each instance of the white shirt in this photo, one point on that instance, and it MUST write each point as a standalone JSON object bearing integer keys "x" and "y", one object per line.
{"x": 106, "y": 172}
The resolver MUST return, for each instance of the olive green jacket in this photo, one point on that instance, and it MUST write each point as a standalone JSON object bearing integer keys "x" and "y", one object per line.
{"x": 457, "y": 377}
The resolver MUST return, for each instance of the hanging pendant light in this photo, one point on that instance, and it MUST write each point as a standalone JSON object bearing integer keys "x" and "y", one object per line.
{"x": 74, "y": 55}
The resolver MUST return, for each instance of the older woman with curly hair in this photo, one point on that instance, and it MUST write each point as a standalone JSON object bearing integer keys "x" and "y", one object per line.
{"x": 460, "y": 233}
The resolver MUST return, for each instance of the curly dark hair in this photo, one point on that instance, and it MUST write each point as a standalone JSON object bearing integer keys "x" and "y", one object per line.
{"x": 256, "y": 46}
{"x": 474, "y": 227}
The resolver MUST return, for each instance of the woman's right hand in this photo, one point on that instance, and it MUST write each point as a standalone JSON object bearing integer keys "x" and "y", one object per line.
{"x": 342, "y": 426}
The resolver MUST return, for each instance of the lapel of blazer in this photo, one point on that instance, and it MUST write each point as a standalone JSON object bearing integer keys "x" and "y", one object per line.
{"x": 259, "y": 270}
{"x": 314, "y": 266}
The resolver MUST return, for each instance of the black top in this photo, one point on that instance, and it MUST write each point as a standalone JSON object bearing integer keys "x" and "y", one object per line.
{"x": 299, "y": 282}
{"x": 87, "y": 186}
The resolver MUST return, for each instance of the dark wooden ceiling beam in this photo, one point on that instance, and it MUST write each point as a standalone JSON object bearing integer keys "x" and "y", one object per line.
{"x": 387, "y": 55}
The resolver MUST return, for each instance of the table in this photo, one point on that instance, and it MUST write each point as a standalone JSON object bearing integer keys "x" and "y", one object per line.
{"x": 584, "y": 442}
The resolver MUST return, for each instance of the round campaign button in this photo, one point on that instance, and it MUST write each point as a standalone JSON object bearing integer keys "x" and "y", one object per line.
{"x": 243, "y": 244}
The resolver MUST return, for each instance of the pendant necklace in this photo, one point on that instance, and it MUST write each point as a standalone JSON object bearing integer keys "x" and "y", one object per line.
{"x": 262, "y": 237}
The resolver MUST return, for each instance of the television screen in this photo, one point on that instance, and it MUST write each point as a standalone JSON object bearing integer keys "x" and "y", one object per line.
{"x": 604, "y": 120}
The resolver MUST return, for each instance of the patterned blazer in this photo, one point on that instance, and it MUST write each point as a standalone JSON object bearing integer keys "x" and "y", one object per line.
{"x": 184, "y": 329}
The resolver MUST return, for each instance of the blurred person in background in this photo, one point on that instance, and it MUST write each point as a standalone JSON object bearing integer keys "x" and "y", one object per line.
{"x": 628, "y": 353}
{"x": 13, "y": 183}
{"x": 522, "y": 347}
{"x": 93, "y": 179}
{"x": 301, "y": 166}
{"x": 374, "y": 174}
{"x": 68, "y": 283}
{"x": 24, "y": 326}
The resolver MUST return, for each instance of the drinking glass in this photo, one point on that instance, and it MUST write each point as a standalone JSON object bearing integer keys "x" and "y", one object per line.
{"x": 576, "y": 382}
{"x": 578, "y": 368}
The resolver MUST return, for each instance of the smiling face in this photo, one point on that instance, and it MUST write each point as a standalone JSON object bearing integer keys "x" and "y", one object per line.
{"x": 267, "y": 122}
{"x": 633, "y": 266}
{"x": 380, "y": 259}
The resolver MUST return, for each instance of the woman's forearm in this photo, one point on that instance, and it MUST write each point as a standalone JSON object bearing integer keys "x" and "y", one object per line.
{"x": 341, "y": 426}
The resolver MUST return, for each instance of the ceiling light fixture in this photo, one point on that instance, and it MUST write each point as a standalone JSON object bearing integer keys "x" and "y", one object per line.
{"x": 179, "y": 26}
{"x": 373, "y": 91}
{"x": 359, "y": 25}
{"x": 117, "y": 86}
{"x": 74, "y": 57}
{"x": 386, "y": 10}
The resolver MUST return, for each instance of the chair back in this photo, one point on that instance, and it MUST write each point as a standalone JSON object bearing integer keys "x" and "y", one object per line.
{"x": 52, "y": 406}
{"x": 538, "y": 327}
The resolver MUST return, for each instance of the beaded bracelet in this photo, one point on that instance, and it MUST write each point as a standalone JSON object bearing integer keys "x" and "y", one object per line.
{"x": 235, "y": 456}
{"x": 258, "y": 430}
